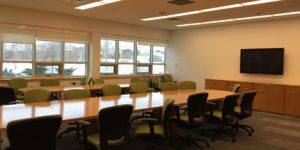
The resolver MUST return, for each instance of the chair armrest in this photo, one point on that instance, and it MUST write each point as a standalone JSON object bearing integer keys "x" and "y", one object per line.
{"x": 83, "y": 123}
{"x": 210, "y": 106}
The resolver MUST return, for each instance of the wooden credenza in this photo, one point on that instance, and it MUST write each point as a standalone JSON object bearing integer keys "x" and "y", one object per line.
{"x": 274, "y": 98}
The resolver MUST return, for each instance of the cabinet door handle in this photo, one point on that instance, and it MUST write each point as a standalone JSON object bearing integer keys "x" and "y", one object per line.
{"x": 293, "y": 93}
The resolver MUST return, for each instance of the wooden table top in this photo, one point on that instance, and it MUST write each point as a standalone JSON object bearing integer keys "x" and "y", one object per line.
{"x": 77, "y": 109}
{"x": 69, "y": 87}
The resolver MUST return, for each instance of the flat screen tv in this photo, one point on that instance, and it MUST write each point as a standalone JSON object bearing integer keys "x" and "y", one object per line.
{"x": 262, "y": 61}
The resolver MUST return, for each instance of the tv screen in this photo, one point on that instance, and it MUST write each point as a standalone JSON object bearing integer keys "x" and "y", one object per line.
{"x": 262, "y": 61}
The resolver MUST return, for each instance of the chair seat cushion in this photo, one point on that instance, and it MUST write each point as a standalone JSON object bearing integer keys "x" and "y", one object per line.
{"x": 185, "y": 118}
{"x": 216, "y": 114}
{"x": 237, "y": 109}
{"x": 144, "y": 130}
{"x": 94, "y": 140}
{"x": 20, "y": 97}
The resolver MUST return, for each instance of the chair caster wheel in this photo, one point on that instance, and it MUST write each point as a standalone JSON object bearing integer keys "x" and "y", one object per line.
{"x": 233, "y": 140}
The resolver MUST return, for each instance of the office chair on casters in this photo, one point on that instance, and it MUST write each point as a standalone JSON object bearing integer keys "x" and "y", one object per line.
{"x": 187, "y": 85}
{"x": 153, "y": 130}
{"x": 244, "y": 110}
{"x": 33, "y": 134}
{"x": 195, "y": 117}
{"x": 74, "y": 94}
{"x": 7, "y": 96}
{"x": 114, "y": 124}
{"x": 224, "y": 117}
{"x": 236, "y": 88}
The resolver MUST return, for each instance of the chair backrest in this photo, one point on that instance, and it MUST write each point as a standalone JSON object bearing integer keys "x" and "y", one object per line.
{"x": 114, "y": 124}
{"x": 85, "y": 80}
{"x": 196, "y": 106}
{"x": 246, "y": 104}
{"x": 138, "y": 87}
{"x": 76, "y": 93}
{"x": 168, "y": 86}
{"x": 34, "y": 134}
{"x": 228, "y": 114}
{"x": 154, "y": 81}
{"x": 36, "y": 95}
{"x": 7, "y": 95}
{"x": 168, "y": 78}
{"x": 50, "y": 82}
{"x": 236, "y": 88}
{"x": 184, "y": 85}
{"x": 138, "y": 79}
{"x": 166, "y": 115}
{"x": 98, "y": 81}
{"x": 111, "y": 89}
{"x": 17, "y": 83}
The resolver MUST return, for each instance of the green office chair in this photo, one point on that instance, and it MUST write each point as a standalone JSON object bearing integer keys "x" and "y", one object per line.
{"x": 245, "y": 111}
{"x": 16, "y": 84}
{"x": 85, "y": 80}
{"x": 137, "y": 79}
{"x": 36, "y": 95}
{"x": 140, "y": 87}
{"x": 113, "y": 132}
{"x": 98, "y": 81}
{"x": 154, "y": 129}
{"x": 225, "y": 116}
{"x": 50, "y": 82}
{"x": 154, "y": 82}
{"x": 168, "y": 86}
{"x": 195, "y": 117}
{"x": 111, "y": 89}
{"x": 185, "y": 85}
{"x": 33, "y": 134}
{"x": 168, "y": 78}
{"x": 236, "y": 88}
{"x": 74, "y": 94}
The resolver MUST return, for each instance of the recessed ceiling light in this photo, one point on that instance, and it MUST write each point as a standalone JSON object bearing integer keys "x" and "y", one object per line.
{"x": 211, "y": 9}
{"x": 240, "y": 19}
{"x": 96, "y": 4}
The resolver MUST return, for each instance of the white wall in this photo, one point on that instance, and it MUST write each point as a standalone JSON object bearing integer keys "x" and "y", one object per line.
{"x": 214, "y": 52}
{"x": 97, "y": 28}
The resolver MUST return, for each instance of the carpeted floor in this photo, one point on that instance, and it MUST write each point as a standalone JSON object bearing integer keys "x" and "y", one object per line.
{"x": 273, "y": 132}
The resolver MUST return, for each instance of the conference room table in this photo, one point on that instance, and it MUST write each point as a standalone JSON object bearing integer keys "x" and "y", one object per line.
{"x": 88, "y": 108}
{"x": 61, "y": 88}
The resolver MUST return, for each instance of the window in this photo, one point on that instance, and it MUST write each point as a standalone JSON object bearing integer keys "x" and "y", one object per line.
{"x": 123, "y": 57}
{"x": 17, "y": 60}
{"x": 75, "y": 59}
{"x": 48, "y": 51}
{"x": 48, "y": 70}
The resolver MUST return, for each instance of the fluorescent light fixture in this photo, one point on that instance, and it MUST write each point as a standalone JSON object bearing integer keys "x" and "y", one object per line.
{"x": 222, "y": 7}
{"x": 259, "y": 2}
{"x": 253, "y": 17}
{"x": 96, "y": 4}
{"x": 287, "y": 14}
{"x": 256, "y": 2}
{"x": 240, "y": 19}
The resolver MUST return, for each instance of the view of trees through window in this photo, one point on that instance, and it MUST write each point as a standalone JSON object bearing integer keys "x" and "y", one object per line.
{"x": 128, "y": 57}
{"x": 18, "y": 59}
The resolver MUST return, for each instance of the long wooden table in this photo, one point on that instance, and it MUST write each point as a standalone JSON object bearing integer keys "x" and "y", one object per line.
{"x": 77, "y": 109}
{"x": 69, "y": 87}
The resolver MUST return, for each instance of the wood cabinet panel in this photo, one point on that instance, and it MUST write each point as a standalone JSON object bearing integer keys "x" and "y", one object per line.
{"x": 221, "y": 85}
{"x": 261, "y": 99}
{"x": 292, "y": 101}
{"x": 244, "y": 86}
{"x": 210, "y": 84}
{"x": 276, "y": 98}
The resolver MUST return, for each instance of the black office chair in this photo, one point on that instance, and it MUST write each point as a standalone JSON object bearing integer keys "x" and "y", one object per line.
{"x": 33, "y": 134}
{"x": 245, "y": 111}
{"x": 157, "y": 130}
{"x": 7, "y": 96}
{"x": 224, "y": 117}
{"x": 114, "y": 124}
{"x": 195, "y": 117}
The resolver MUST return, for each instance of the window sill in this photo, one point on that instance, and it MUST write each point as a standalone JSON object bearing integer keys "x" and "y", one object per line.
{"x": 66, "y": 78}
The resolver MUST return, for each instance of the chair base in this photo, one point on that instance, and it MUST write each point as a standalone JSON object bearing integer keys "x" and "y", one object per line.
{"x": 250, "y": 130}
{"x": 221, "y": 130}
{"x": 71, "y": 129}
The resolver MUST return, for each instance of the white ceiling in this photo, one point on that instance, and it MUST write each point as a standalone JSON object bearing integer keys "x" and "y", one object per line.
{"x": 131, "y": 11}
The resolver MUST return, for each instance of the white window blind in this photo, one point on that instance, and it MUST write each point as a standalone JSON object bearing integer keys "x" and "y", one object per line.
{"x": 17, "y": 36}
{"x": 77, "y": 37}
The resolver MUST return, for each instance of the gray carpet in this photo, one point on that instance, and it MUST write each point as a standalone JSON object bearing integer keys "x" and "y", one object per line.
{"x": 272, "y": 132}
